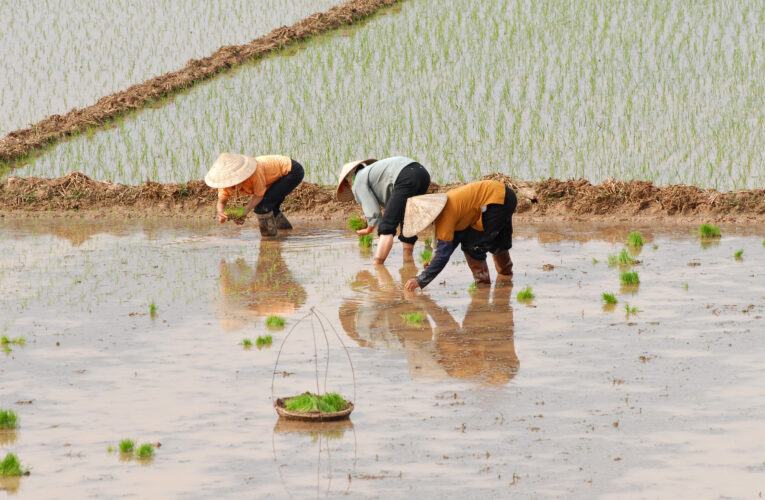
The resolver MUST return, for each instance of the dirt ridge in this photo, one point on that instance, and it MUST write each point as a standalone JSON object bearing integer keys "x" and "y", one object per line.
{"x": 20, "y": 143}
{"x": 550, "y": 199}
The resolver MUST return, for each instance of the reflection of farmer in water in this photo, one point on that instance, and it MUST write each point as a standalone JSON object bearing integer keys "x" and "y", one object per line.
{"x": 482, "y": 347}
{"x": 384, "y": 183}
{"x": 248, "y": 293}
{"x": 269, "y": 179}
{"x": 478, "y": 216}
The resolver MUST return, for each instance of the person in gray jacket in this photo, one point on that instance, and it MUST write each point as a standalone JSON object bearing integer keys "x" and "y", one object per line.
{"x": 384, "y": 183}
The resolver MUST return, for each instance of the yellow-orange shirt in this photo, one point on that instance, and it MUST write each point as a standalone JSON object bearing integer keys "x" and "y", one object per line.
{"x": 270, "y": 169}
{"x": 463, "y": 207}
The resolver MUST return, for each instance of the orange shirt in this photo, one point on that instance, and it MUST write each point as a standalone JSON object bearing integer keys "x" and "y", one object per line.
{"x": 463, "y": 207}
{"x": 270, "y": 169}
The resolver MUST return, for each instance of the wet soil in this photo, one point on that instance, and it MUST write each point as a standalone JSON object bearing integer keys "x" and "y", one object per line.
{"x": 552, "y": 199}
{"x": 21, "y": 143}
{"x": 486, "y": 397}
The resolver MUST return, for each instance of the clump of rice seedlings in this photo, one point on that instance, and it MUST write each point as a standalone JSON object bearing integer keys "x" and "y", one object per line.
{"x": 625, "y": 259}
{"x": 426, "y": 255}
{"x": 737, "y": 255}
{"x": 264, "y": 341}
{"x": 429, "y": 242}
{"x": 110, "y": 449}
{"x": 709, "y": 231}
{"x": 630, "y": 278}
{"x": 235, "y": 212}
{"x": 635, "y": 239}
{"x": 613, "y": 260}
{"x": 11, "y": 467}
{"x": 609, "y": 298}
{"x": 356, "y": 223}
{"x": 415, "y": 318}
{"x": 594, "y": 260}
{"x": 274, "y": 322}
{"x": 307, "y": 402}
{"x": 631, "y": 309}
{"x": 5, "y": 340}
{"x": 246, "y": 343}
{"x": 526, "y": 294}
{"x": 127, "y": 445}
{"x": 8, "y": 419}
{"x": 153, "y": 309}
{"x": 145, "y": 451}
{"x": 365, "y": 241}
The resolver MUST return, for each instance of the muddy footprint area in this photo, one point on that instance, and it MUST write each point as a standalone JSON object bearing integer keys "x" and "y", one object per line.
{"x": 135, "y": 330}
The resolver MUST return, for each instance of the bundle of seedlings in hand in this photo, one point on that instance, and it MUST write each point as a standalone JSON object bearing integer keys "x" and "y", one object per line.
{"x": 262, "y": 342}
{"x": 609, "y": 298}
{"x": 630, "y": 278}
{"x": 415, "y": 318}
{"x": 426, "y": 256}
{"x": 11, "y": 467}
{"x": 236, "y": 214}
{"x": 365, "y": 241}
{"x": 635, "y": 239}
{"x": 307, "y": 402}
{"x": 709, "y": 231}
{"x": 356, "y": 223}
{"x": 274, "y": 322}
{"x": 526, "y": 294}
{"x": 8, "y": 419}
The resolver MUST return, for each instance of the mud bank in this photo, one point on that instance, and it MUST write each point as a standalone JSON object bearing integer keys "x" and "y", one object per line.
{"x": 20, "y": 143}
{"x": 552, "y": 199}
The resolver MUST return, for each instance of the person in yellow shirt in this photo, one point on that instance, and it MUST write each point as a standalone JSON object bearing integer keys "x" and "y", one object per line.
{"x": 269, "y": 179}
{"x": 477, "y": 216}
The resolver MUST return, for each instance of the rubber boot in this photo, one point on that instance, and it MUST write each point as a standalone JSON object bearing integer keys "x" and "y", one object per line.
{"x": 267, "y": 224}
{"x": 480, "y": 270}
{"x": 503, "y": 263}
{"x": 408, "y": 252}
{"x": 282, "y": 222}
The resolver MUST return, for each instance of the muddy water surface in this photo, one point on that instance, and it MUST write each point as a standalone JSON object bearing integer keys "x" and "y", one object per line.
{"x": 488, "y": 396}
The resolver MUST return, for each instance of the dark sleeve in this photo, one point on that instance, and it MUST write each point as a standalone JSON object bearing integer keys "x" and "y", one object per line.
{"x": 444, "y": 250}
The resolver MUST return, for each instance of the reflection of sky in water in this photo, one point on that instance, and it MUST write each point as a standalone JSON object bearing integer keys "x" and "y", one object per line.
{"x": 557, "y": 393}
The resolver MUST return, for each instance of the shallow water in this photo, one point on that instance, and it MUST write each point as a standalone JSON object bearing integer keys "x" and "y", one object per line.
{"x": 487, "y": 397}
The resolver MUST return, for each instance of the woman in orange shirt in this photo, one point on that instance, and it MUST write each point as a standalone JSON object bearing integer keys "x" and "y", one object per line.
{"x": 269, "y": 179}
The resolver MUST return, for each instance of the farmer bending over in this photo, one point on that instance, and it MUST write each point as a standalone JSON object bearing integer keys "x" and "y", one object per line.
{"x": 389, "y": 183}
{"x": 478, "y": 216}
{"x": 269, "y": 179}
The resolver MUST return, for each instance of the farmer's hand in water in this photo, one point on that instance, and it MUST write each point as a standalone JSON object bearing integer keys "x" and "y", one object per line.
{"x": 222, "y": 217}
{"x": 411, "y": 284}
{"x": 366, "y": 230}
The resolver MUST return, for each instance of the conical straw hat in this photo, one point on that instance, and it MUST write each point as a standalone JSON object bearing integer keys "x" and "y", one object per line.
{"x": 344, "y": 194}
{"x": 421, "y": 211}
{"x": 230, "y": 169}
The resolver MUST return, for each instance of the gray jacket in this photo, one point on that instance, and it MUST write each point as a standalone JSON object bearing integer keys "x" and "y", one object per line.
{"x": 374, "y": 184}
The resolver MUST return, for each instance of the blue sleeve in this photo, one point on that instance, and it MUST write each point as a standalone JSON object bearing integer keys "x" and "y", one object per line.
{"x": 444, "y": 250}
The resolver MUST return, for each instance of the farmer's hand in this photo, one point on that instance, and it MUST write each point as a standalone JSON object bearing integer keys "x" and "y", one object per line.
{"x": 411, "y": 284}
{"x": 222, "y": 217}
{"x": 366, "y": 230}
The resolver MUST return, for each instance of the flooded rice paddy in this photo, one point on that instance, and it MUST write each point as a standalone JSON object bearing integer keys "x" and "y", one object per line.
{"x": 68, "y": 56}
{"x": 667, "y": 91}
{"x": 489, "y": 396}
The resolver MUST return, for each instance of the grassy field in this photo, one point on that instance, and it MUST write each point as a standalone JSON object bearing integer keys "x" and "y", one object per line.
{"x": 68, "y": 56}
{"x": 666, "y": 91}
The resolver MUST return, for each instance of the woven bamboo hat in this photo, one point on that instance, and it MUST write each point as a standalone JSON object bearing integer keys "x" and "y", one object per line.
{"x": 230, "y": 169}
{"x": 343, "y": 193}
{"x": 421, "y": 211}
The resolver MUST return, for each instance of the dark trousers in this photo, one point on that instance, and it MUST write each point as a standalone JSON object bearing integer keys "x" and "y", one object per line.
{"x": 497, "y": 234}
{"x": 276, "y": 192}
{"x": 413, "y": 180}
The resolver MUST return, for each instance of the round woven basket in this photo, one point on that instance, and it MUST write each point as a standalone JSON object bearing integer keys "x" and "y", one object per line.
{"x": 310, "y": 416}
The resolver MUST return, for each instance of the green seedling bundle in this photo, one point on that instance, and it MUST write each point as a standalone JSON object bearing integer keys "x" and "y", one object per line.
{"x": 414, "y": 318}
{"x": 365, "y": 241}
{"x": 356, "y": 223}
{"x": 264, "y": 341}
{"x": 307, "y": 402}
{"x": 609, "y": 298}
{"x": 709, "y": 231}
{"x": 526, "y": 294}
{"x": 235, "y": 213}
{"x": 275, "y": 322}
{"x": 629, "y": 278}
{"x": 635, "y": 239}
{"x": 11, "y": 466}
{"x": 8, "y": 419}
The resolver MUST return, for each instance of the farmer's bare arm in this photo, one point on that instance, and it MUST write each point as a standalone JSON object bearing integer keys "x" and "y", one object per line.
{"x": 254, "y": 202}
{"x": 220, "y": 208}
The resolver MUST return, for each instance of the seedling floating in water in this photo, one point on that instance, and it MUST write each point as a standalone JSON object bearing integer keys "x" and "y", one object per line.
{"x": 5, "y": 340}
{"x": 365, "y": 240}
{"x": 738, "y": 254}
{"x": 356, "y": 223}
{"x": 264, "y": 341}
{"x": 127, "y": 445}
{"x": 426, "y": 256}
{"x": 145, "y": 451}
{"x": 8, "y": 419}
{"x": 236, "y": 213}
{"x": 307, "y": 402}
{"x": 526, "y": 294}
{"x": 635, "y": 239}
{"x": 153, "y": 309}
{"x": 630, "y": 278}
{"x": 247, "y": 343}
{"x": 274, "y": 322}
{"x": 709, "y": 231}
{"x": 609, "y": 298}
{"x": 415, "y": 318}
{"x": 11, "y": 467}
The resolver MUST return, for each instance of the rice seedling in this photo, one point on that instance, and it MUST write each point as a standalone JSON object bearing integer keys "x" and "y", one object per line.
{"x": 356, "y": 223}
{"x": 426, "y": 255}
{"x": 275, "y": 322}
{"x": 264, "y": 341}
{"x": 127, "y": 445}
{"x": 526, "y": 294}
{"x": 738, "y": 254}
{"x": 5, "y": 340}
{"x": 8, "y": 419}
{"x": 473, "y": 287}
{"x": 608, "y": 298}
{"x": 246, "y": 343}
{"x": 594, "y": 260}
{"x": 630, "y": 278}
{"x": 613, "y": 260}
{"x": 152, "y": 309}
{"x": 144, "y": 451}
{"x": 327, "y": 403}
{"x": 625, "y": 259}
{"x": 110, "y": 449}
{"x": 414, "y": 318}
{"x": 685, "y": 286}
{"x": 635, "y": 239}
{"x": 10, "y": 466}
{"x": 709, "y": 231}
{"x": 630, "y": 309}
{"x": 365, "y": 241}
{"x": 235, "y": 212}
{"x": 429, "y": 242}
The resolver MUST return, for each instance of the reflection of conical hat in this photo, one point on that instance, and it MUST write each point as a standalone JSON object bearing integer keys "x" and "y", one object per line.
{"x": 230, "y": 169}
{"x": 344, "y": 194}
{"x": 421, "y": 211}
